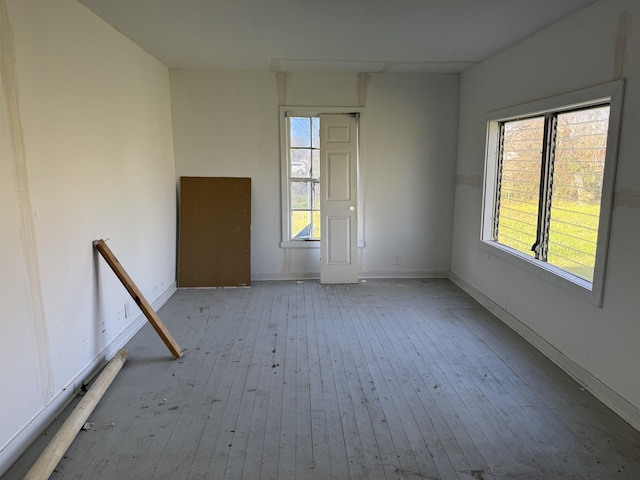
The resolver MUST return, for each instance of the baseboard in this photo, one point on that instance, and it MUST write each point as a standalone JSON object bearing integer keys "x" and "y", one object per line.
{"x": 18, "y": 444}
{"x": 362, "y": 275}
{"x": 625, "y": 409}
{"x": 275, "y": 276}
{"x": 403, "y": 274}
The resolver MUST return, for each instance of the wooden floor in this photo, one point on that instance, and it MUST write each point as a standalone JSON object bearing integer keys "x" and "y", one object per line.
{"x": 388, "y": 379}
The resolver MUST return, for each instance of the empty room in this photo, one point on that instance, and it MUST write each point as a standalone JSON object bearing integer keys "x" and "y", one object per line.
{"x": 362, "y": 239}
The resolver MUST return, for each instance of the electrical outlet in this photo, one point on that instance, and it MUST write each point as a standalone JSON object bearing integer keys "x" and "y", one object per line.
{"x": 126, "y": 309}
{"x": 396, "y": 260}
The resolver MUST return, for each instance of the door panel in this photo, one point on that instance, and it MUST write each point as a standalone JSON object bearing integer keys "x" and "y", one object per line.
{"x": 338, "y": 245}
{"x": 338, "y": 184}
{"x": 338, "y": 176}
{"x": 338, "y": 133}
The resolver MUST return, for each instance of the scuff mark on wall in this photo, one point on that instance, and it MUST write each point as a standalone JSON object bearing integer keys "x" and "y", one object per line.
{"x": 274, "y": 65}
{"x": 363, "y": 83}
{"x": 471, "y": 180}
{"x": 35, "y": 303}
{"x": 622, "y": 33}
{"x": 388, "y": 66}
{"x": 283, "y": 79}
{"x": 627, "y": 197}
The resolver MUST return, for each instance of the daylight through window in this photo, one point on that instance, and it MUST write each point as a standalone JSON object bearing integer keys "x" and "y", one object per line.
{"x": 304, "y": 178}
{"x": 551, "y": 169}
{"x": 549, "y": 186}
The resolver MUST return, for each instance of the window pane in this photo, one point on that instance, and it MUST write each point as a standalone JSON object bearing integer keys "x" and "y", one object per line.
{"x": 577, "y": 187}
{"x": 520, "y": 186}
{"x": 301, "y": 224}
{"x": 300, "y": 195}
{"x": 315, "y": 231}
{"x": 300, "y": 159}
{"x": 300, "y": 131}
{"x": 315, "y": 132}
{"x": 315, "y": 164}
{"x": 316, "y": 196}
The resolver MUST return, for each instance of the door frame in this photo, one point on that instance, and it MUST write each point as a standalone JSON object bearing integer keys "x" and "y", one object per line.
{"x": 311, "y": 111}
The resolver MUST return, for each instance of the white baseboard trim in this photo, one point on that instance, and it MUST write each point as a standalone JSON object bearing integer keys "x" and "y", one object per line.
{"x": 625, "y": 409}
{"x": 18, "y": 444}
{"x": 275, "y": 276}
{"x": 404, "y": 274}
{"x": 362, "y": 275}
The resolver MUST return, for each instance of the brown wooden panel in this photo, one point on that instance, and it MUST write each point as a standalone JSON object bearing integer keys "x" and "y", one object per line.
{"x": 215, "y": 232}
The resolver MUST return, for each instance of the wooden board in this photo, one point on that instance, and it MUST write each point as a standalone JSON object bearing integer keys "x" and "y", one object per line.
{"x": 215, "y": 232}
{"x": 137, "y": 296}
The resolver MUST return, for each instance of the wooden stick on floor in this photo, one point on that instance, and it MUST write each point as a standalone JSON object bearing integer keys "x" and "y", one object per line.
{"x": 50, "y": 457}
{"x": 137, "y": 296}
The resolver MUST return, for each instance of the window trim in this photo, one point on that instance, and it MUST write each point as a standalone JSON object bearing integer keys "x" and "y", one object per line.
{"x": 611, "y": 93}
{"x": 285, "y": 111}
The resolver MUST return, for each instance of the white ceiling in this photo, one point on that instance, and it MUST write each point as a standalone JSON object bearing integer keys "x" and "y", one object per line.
{"x": 428, "y": 36}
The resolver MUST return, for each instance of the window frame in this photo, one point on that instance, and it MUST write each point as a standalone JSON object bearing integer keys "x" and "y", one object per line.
{"x": 307, "y": 111}
{"x": 310, "y": 181}
{"x": 611, "y": 94}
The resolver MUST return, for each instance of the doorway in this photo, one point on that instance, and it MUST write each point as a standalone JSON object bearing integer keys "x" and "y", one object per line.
{"x": 320, "y": 188}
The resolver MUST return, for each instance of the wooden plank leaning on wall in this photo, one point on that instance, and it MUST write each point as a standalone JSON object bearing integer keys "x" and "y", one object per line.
{"x": 137, "y": 296}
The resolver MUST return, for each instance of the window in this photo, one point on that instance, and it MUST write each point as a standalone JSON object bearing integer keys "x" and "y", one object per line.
{"x": 549, "y": 192}
{"x": 549, "y": 183}
{"x": 301, "y": 175}
{"x": 304, "y": 177}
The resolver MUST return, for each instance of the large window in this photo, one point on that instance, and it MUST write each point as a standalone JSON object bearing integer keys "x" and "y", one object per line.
{"x": 304, "y": 177}
{"x": 551, "y": 169}
{"x": 301, "y": 175}
{"x": 549, "y": 183}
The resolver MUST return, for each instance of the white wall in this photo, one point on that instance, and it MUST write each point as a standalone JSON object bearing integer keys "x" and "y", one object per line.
{"x": 92, "y": 111}
{"x": 600, "y": 346}
{"x": 226, "y": 124}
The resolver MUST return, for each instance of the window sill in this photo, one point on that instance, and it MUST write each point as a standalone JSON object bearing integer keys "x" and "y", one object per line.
{"x": 577, "y": 286}
{"x": 308, "y": 244}
{"x": 300, "y": 244}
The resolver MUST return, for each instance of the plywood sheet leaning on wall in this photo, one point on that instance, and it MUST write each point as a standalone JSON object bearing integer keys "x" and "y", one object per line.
{"x": 137, "y": 296}
{"x": 215, "y": 232}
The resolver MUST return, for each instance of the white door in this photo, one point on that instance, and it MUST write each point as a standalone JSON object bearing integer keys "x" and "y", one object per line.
{"x": 338, "y": 183}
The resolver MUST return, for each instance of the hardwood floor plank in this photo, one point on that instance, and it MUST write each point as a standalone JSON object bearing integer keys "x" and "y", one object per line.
{"x": 387, "y": 368}
{"x": 328, "y": 403}
{"x": 347, "y": 412}
{"x": 587, "y": 456}
{"x": 262, "y": 362}
{"x": 441, "y": 394}
{"x": 271, "y": 450}
{"x": 478, "y": 452}
{"x": 251, "y": 360}
{"x": 287, "y": 370}
{"x": 487, "y": 435}
{"x": 214, "y": 395}
{"x": 510, "y": 402}
{"x": 359, "y": 380}
{"x": 321, "y": 460}
{"x": 511, "y": 411}
{"x": 420, "y": 445}
{"x": 301, "y": 388}
{"x": 505, "y": 455}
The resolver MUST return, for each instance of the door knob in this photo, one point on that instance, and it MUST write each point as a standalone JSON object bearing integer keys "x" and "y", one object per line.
{"x": 352, "y": 208}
